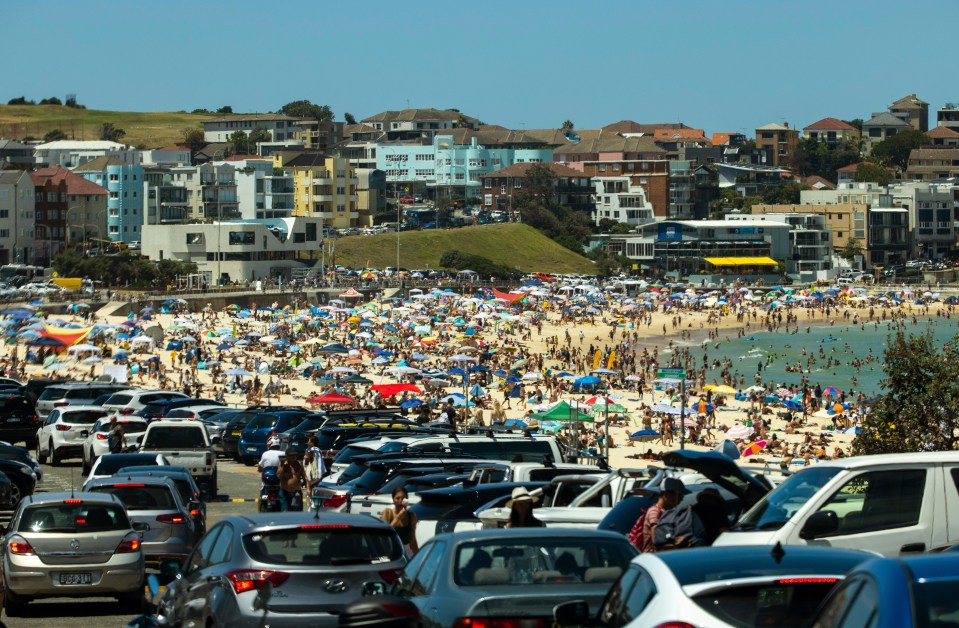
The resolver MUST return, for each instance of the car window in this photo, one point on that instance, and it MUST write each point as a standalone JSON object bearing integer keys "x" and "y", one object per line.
{"x": 52, "y": 394}
{"x": 84, "y": 417}
{"x": 879, "y": 500}
{"x": 863, "y": 609}
{"x": 73, "y": 518}
{"x": 222, "y": 550}
{"x": 611, "y": 613}
{"x": 404, "y": 582}
{"x": 175, "y": 437}
{"x": 639, "y": 596}
{"x": 200, "y": 557}
{"x": 136, "y": 496}
{"x": 118, "y": 400}
{"x": 52, "y": 417}
{"x": 322, "y": 545}
{"x": 426, "y": 576}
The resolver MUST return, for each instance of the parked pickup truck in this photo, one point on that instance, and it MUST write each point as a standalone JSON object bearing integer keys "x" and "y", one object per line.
{"x": 184, "y": 443}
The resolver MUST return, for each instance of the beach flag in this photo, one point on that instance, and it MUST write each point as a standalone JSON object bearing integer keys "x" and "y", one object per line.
{"x": 612, "y": 360}
{"x": 597, "y": 358}
{"x": 234, "y": 330}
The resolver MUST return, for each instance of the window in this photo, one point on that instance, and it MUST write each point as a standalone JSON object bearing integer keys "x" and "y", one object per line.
{"x": 194, "y": 238}
{"x": 879, "y": 500}
{"x": 487, "y": 183}
{"x": 487, "y": 199}
{"x": 242, "y": 237}
{"x": 423, "y": 584}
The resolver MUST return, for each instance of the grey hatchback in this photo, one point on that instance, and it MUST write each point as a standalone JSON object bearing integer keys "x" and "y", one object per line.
{"x": 308, "y": 568}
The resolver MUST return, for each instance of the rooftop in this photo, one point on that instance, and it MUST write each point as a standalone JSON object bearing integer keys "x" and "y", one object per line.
{"x": 75, "y": 184}
{"x": 830, "y": 124}
{"x": 519, "y": 170}
{"x": 100, "y": 164}
{"x": 908, "y": 102}
{"x": 409, "y": 115}
{"x": 251, "y": 117}
{"x": 81, "y": 145}
{"x": 884, "y": 118}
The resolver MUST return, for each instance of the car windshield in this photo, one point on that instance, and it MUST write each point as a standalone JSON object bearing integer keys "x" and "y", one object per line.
{"x": 349, "y": 451}
{"x": 82, "y": 417}
{"x": 136, "y": 496}
{"x": 786, "y": 602}
{"x": 323, "y": 545}
{"x": 371, "y": 480}
{"x": 175, "y": 437}
{"x": 936, "y": 602}
{"x": 264, "y": 420}
{"x": 308, "y": 425}
{"x": 52, "y": 394}
{"x": 73, "y": 518}
{"x": 110, "y": 464}
{"x": 778, "y": 506}
{"x": 541, "y": 561}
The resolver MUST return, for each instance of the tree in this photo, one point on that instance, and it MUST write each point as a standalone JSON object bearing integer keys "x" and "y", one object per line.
{"x": 920, "y": 411}
{"x": 783, "y": 193}
{"x": 72, "y": 103}
{"x": 225, "y": 109}
{"x": 22, "y": 100}
{"x": 812, "y": 157}
{"x": 192, "y": 135}
{"x": 258, "y": 134}
{"x": 54, "y": 135}
{"x": 306, "y": 109}
{"x": 568, "y": 125}
{"x": 855, "y": 122}
{"x": 53, "y": 100}
{"x": 873, "y": 173}
{"x": 110, "y": 133}
{"x": 239, "y": 142}
{"x": 463, "y": 122}
{"x": 349, "y": 118}
{"x": 852, "y": 249}
{"x": 894, "y": 151}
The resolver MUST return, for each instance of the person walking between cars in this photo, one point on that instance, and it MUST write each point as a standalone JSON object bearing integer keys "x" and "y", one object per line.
{"x": 292, "y": 479}
{"x": 402, "y": 520}
{"x": 115, "y": 437}
{"x": 521, "y": 510}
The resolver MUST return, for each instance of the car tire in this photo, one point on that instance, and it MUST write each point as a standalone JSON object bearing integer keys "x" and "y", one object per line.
{"x": 86, "y": 465}
{"x": 55, "y": 459}
{"x": 13, "y": 604}
{"x": 32, "y": 442}
{"x": 132, "y": 602}
{"x": 15, "y": 494}
{"x": 41, "y": 457}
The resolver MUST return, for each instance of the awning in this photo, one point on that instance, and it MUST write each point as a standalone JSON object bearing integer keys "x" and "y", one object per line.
{"x": 742, "y": 261}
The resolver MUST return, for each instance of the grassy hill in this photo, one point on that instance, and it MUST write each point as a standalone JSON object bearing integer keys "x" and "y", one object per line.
{"x": 150, "y": 129}
{"x": 515, "y": 245}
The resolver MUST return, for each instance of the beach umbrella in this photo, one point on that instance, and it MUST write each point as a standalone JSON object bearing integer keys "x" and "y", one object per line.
{"x": 461, "y": 358}
{"x": 738, "y": 431}
{"x": 603, "y": 372}
{"x": 792, "y": 405}
{"x": 837, "y": 409}
{"x": 237, "y": 371}
{"x": 357, "y": 379}
{"x": 601, "y": 408}
{"x": 93, "y": 359}
{"x": 45, "y": 341}
{"x": 514, "y": 423}
{"x": 330, "y": 398}
{"x": 597, "y": 399}
{"x": 531, "y": 377}
{"x": 644, "y": 435}
{"x": 411, "y": 403}
{"x": 665, "y": 409}
{"x": 725, "y": 390}
{"x": 728, "y": 448}
{"x": 831, "y": 391}
{"x": 589, "y": 380}
{"x": 753, "y": 448}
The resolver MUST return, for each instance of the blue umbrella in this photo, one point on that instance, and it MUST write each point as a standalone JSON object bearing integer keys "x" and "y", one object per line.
{"x": 479, "y": 368}
{"x": 792, "y": 405}
{"x": 729, "y": 448}
{"x": 411, "y": 403}
{"x": 223, "y": 347}
{"x": 514, "y": 423}
{"x": 642, "y": 433}
{"x": 174, "y": 344}
{"x": 589, "y": 380}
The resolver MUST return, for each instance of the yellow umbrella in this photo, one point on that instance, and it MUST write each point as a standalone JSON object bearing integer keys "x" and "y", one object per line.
{"x": 725, "y": 390}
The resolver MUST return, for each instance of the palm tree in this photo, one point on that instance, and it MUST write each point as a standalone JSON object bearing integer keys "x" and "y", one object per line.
{"x": 568, "y": 125}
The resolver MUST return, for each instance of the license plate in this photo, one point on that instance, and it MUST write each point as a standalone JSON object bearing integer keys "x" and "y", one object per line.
{"x": 13, "y": 419}
{"x": 76, "y": 578}
{"x": 234, "y": 433}
{"x": 251, "y": 449}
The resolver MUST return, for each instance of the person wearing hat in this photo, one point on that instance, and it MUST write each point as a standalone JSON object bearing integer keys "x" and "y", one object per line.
{"x": 521, "y": 510}
{"x": 670, "y": 494}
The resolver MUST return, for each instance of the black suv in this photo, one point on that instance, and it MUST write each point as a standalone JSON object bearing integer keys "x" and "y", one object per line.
{"x": 18, "y": 420}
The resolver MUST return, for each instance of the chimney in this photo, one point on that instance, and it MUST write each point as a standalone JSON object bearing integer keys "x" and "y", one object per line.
{"x": 786, "y": 124}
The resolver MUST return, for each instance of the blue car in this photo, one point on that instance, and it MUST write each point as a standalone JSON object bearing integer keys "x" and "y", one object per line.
{"x": 257, "y": 433}
{"x": 889, "y": 592}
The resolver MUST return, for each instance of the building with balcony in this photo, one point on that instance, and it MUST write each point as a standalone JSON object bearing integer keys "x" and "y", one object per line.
{"x": 125, "y": 195}
{"x": 571, "y": 187}
{"x": 879, "y": 127}
{"x": 211, "y": 190}
{"x": 778, "y": 142}
{"x": 617, "y": 199}
{"x": 166, "y": 201}
{"x": 16, "y": 155}
{"x": 933, "y": 163}
{"x": 280, "y": 127}
{"x": 913, "y": 110}
{"x": 610, "y": 149}
{"x": 943, "y": 136}
{"x": 418, "y": 124}
{"x": 324, "y": 187}
{"x": 262, "y": 190}
{"x": 831, "y": 131}
{"x": 321, "y": 136}
{"x": 931, "y": 211}
{"x": 73, "y": 153}
{"x": 651, "y": 174}
{"x": 70, "y": 210}
{"x": 747, "y": 179}
{"x": 239, "y": 251}
{"x": 810, "y": 243}
{"x": 17, "y": 212}
{"x": 948, "y": 116}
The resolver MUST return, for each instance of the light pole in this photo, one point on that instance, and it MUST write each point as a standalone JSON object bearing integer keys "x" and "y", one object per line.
{"x": 219, "y": 221}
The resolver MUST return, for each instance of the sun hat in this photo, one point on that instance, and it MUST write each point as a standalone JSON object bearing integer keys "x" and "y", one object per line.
{"x": 520, "y": 494}
{"x": 676, "y": 485}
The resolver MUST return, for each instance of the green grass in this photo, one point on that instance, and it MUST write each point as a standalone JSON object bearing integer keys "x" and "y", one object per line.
{"x": 514, "y": 245}
{"x": 150, "y": 129}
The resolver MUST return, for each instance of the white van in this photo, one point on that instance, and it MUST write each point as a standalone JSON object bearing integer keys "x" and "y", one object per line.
{"x": 892, "y": 504}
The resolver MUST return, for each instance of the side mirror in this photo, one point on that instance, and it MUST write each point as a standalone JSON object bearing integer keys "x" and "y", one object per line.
{"x": 822, "y": 523}
{"x": 170, "y": 568}
{"x": 575, "y": 613}
{"x": 84, "y": 433}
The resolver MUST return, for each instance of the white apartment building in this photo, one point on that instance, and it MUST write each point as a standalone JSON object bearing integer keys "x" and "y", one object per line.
{"x": 280, "y": 127}
{"x": 262, "y": 190}
{"x": 17, "y": 215}
{"x": 73, "y": 153}
{"x": 930, "y": 207}
{"x": 616, "y": 198}
{"x": 810, "y": 255}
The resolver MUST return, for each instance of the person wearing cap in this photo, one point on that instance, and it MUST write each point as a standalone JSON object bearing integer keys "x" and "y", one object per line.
{"x": 670, "y": 494}
{"x": 521, "y": 510}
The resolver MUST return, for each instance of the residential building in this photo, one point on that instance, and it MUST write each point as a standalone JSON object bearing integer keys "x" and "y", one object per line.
{"x": 628, "y": 128}
{"x": 847, "y": 221}
{"x": 653, "y": 175}
{"x": 931, "y": 164}
{"x": 321, "y": 136}
{"x": 211, "y": 190}
{"x": 948, "y": 117}
{"x": 125, "y": 194}
{"x": 166, "y": 201}
{"x": 359, "y": 145}
{"x": 879, "y": 127}
{"x": 865, "y": 193}
{"x": 16, "y": 155}
{"x": 731, "y": 139}
{"x": 847, "y": 174}
{"x": 324, "y": 187}
{"x": 173, "y": 155}
{"x": 617, "y": 199}
{"x": 415, "y": 124}
{"x": 70, "y": 210}
{"x": 913, "y": 110}
{"x": 930, "y": 207}
{"x": 571, "y": 187}
{"x": 748, "y": 179}
{"x": 815, "y": 182}
{"x": 263, "y": 190}
{"x": 239, "y": 251}
{"x": 831, "y": 131}
{"x": 370, "y": 194}
{"x": 944, "y": 136}
{"x": 778, "y": 142}
{"x": 279, "y": 126}
{"x": 73, "y": 153}
{"x": 616, "y": 148}
{"x": 17, "y": 211}
{"x": 810, "y": 243}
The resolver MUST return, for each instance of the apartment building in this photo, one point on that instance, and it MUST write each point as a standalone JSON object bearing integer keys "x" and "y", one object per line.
{"x": 166, "y": 201}
{"x": 810, "y": 256}
{"x": 933, "y": 163}
{"x": 831, "y": 131}
{"x": 617, "y": 199}
{"x": 125, "y": 195}
{"x": 930, "y": 207}
{"x": 414, "y": 124}
{"x": 571, "y": 187}
{"x": 17, "y": 212}
{"x": 210, "y": 190}
{"x": 324, "y": 187}
{"x": 653, "y": 175}
{"x": 948, "y": 116}
{"x": 881, "y": 126}
{"x": 912, "y": 110}
{"x": 943, "y": 136}
{"x": 262, "y": 190}
{"x": 70, "y": 210}
{"x": 778, "y": 142}
{"x": 73, "y": 153}
{"x": 280, "y": 127}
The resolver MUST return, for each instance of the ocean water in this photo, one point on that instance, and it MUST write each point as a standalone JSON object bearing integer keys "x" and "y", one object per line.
{"x": 842, "y": 342}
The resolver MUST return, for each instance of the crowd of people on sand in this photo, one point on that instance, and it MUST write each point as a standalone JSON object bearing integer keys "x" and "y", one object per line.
{"x": 517, "y": 355}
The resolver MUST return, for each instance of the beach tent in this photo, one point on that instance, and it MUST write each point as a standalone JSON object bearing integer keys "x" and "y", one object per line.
{"x": 562, "y": 411}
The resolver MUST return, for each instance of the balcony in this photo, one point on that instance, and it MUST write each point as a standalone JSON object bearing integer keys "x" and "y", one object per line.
{"x": 322, "y": 181}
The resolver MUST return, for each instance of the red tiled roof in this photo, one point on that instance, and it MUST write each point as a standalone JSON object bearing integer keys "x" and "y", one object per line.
{"x": 720, "y": 139}
{"x": 830, "y": 124}
{"x": 942, "y": 132}
{"x": 687, "y": 134}
{"x": 75, "y": 184}
{"x": 519, "y": 170}
{"x": 854, "y": 167}
{"x": 817, "y": 182}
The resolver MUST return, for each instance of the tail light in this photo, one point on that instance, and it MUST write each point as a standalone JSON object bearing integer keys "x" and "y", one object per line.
{"x": 675, "y": 624}
{"x": 209, "y": 459}
{"x": 18, "y": 545}
{"x": 390, "y": 575}
{"x": 195, "y": 512}
{"x": 171, "y": 518}
{"x": 247, "y": 580}
{"x": 102, "y": 436}
{"x": 126, "y": 411}
{"x": 808, "y": 580}
{"x": 60, "y": 404}
{"x": 334, "y": 501}
{"x": 62, "y": 428}
{"x": 499, "y": 622}
{"x": 130, "y": 543}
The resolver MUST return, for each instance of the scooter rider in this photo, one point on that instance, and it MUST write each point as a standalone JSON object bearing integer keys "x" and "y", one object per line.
{"x": 292, "y": 478}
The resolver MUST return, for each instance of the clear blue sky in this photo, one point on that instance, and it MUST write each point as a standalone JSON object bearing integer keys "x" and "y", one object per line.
{"x": 720, "y": 65}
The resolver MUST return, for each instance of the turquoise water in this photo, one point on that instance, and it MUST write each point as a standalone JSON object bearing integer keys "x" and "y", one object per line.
{"x": 842, "y": 342}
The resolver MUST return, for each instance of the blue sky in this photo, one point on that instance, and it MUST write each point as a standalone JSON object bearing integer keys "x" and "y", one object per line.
{"x": 727, "y": 65}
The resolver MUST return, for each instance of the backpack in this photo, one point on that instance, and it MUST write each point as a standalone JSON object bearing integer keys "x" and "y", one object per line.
{"x": 678, "y": 527}
{"x": 636, "y": 536}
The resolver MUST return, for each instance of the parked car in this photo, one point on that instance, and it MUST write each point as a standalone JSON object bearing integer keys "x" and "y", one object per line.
{"x": 216, "y": 424}
{"x": 510, "y": 577}
{"x": 132, "y": 401}
{"x": 160, "y": 408}
{"x": 196, "y": 412}
{"x": 71, "y": 545}
{"x": 254, "y": 436}
{"x": 185, "y": 443}
{"x": 62, "y": 433}
{"x": 728, "y": 587}
{"x": 316, "y": 568}
{"x": 96, "y": 439}
{"x": 18, "y": 420}
{"x": 154, "y": 501}
{"x": 230, "y": 437}
{"x": 108, "y": 464}
{"x": 888, "y": 593}
{"x": 186, "y": 486}
{"x": 72, "y": 394}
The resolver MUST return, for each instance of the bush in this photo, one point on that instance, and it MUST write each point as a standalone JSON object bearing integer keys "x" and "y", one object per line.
{"x": 22, "y": 100}
{"x": 458, "y": 260}
{"x": 53, "y": 100}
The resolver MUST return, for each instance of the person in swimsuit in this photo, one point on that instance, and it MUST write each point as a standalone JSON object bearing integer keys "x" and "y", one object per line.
{"x": 402, "y": 520}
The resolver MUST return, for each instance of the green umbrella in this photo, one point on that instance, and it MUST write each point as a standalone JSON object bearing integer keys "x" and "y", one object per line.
{"x": 562, "y": 412}
{"x": 600, "y": 408}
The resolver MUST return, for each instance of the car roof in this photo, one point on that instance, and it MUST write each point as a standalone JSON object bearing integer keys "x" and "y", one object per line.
{"x": 926, "y": 566}
{"x": 52, "y": 498}
{"x": 157, "y": 468}
{"x": 123, "y": 478}
{"x": 267, "y": 519}
{"x": 80, "y": 408}
{"x": 924, "y": 457}
{"x": 533, "y": 533}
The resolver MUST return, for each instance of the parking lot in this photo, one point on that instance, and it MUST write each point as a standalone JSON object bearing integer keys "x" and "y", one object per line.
{"x": 239, "y": 486}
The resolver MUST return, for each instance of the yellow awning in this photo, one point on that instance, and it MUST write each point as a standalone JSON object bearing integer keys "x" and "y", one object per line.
{"x": 742, "y": 261}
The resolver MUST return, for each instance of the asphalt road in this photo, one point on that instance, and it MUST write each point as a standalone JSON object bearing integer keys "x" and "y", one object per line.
{"x": 236, "y": 482}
